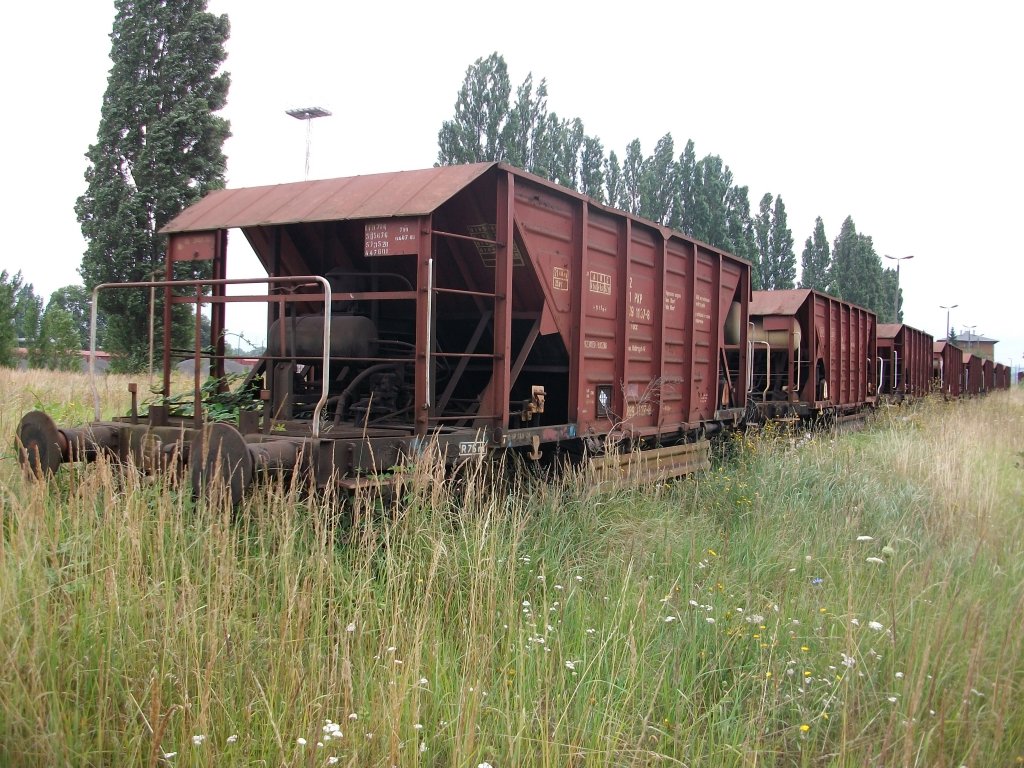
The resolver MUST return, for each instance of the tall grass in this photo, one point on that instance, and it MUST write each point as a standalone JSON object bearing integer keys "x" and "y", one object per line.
{"x": 732, "y": 619}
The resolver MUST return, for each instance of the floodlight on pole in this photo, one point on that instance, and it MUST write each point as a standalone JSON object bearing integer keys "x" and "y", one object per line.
{"x": 308, "y": 114}
{"x": 896, "y": 293}
{"x": 943, "y": 306}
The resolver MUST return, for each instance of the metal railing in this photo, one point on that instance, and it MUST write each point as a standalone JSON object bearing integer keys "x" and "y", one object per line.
{"x": 296, "y": 280}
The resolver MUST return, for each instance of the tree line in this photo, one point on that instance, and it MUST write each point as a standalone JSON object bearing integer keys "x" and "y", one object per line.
{"x": 159, "y": 148}
{"x": 697, "y": 196}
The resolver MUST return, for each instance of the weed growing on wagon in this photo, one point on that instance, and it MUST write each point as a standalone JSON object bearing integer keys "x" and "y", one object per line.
{"x": 852, "y": 599}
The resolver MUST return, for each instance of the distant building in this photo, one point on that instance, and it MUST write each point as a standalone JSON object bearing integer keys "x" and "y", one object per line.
{"x": 976, "y": 344}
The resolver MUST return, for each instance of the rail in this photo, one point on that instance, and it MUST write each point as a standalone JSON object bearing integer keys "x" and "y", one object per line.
{"x": 297, "y": 280}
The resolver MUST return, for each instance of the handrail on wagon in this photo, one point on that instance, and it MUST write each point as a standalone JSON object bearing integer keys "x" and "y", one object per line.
{"x": 293, "y": 279}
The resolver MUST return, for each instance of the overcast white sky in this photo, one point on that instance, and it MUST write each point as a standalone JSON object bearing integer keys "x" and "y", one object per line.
{"x": 906, "y": 116}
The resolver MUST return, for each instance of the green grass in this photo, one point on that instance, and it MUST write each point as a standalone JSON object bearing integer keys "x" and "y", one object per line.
{"x": 702, "y": 623}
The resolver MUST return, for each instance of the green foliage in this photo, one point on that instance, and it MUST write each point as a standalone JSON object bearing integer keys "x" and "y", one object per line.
{"x": 488, "y": 127}
{"x": 220, "y": 403}
{"x": 158, "y": 149}
{"x": 816, "y": 260}
{"x": 856, "y": 273}
{"x": 57, "y": 346}
{"x": 77, "y": 301}
{"x": 8, "y": 335}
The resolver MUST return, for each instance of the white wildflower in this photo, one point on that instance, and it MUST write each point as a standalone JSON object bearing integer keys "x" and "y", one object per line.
{"x": 875, "y": 560}
{"x": 353, "y": 716}
{"x": 351, "y": 627}
{"x": 669, "y": 619}
{"x": 875, "y": 626}
{"x": 899, "y": 675}
{"x": 855, "y": 621}
{"x": 169, "y": 755}
{"x": 392, "y": 649}
{"x": 694, "y": 603}
{"x": 755, "y": 618}
{"x": 232, "y": 738}
{"x": 526, "y": 603}
{"x": 300, "y": 741}
{"x": 591, "y": 630}
{"x": 418, "y": 727}
{"x": 570, "y": 665}
{"x": 865, "y": 538}
{"x": 709, "y": 620}
{"x": 484, "y": 765}
{"x": 559, "y": 587}
{"x": 423, "y": 681}
{"x": 198, "y": 739}
{"x": 423, "y": 746}
{"x": 892, "y": 699}
{"x": 332, "y": 760}
{"x": 848, "y": 661}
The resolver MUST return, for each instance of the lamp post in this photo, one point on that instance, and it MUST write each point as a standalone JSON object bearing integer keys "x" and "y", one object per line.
{"x": 970, "y": 337}
{"x": 942, "y": 306}
{"x": 308, "y": 114}
{"x": 896, "y": 293}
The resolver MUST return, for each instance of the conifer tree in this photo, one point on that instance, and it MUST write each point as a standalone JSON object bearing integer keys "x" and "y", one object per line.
{"x": 159, "y": 148}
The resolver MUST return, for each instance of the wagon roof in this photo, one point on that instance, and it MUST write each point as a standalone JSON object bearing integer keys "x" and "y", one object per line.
{"x": 788, "y": 302}
{"x": 378, "y": 195}
{"x": 778, "y": 302}
{"x": 889, "y": 330}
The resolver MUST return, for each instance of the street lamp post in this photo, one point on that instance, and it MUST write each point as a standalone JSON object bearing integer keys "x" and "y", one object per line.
{"x": 308, "y": 114}
{"x": 896, "y": 294}
{"x": 942, "y": 306}
{"x": 970, "y": 337}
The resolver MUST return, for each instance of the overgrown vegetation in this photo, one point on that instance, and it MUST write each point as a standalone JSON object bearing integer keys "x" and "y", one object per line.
{"x": 841, "y": 600}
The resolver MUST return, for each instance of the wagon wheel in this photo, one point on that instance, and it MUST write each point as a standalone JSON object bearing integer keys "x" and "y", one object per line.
{"x": 220, "y": 458}
{"x": 37, "y": 442}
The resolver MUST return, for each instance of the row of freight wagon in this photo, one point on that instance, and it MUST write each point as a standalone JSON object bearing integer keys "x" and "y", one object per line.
{"x": 481, "y": 309}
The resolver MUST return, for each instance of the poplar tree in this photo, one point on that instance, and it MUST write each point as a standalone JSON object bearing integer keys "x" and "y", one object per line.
{"x": 856, "y": 273}
{"x": 815, "y": 261}
{"x": 477, "y": 133}
{"x": 159, "y": 148}
{"x": 777, "y": 262}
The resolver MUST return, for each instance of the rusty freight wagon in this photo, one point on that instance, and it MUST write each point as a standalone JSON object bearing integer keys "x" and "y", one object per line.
{"x": 811, "y": 355}
{"x": 477, "y": 308}
{"x": 988, "y": 375}
{"x": 947, "y": 368}
{"x": 973, "y": 375}
{"x": 904, "y": 361}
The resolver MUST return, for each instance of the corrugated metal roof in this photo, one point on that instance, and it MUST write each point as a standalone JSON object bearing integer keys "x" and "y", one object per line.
{"x": 778, "y": 302}
{"x": 379, "y": 195}
{"x": 889, "y": 330}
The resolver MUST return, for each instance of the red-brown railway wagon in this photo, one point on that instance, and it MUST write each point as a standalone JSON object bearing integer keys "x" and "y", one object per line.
{"x": 988, "y": 375}
{"x": 1000, "y": 376}
{"x": 477, "y": 306}
{"x": 811, "y": 354}
{"x": 905, "y": 361}
{"x": 973, "y": 375}
{"x": 947, "y": 368}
